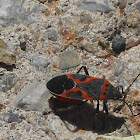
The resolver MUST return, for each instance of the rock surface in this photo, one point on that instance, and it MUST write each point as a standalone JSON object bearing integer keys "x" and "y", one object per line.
{"x": 118, "y": 44}
{"x": 68, "y": 60}
{"x": 96, "y": 5}
{"x": 8, "y": 80}
{"x": 32, "y": 97}
{"x": 40, "y": 63}
{"x": 11, "y": 117}
{"x": 6, "y": 56}
{"x": 52, "y": 35}
{"x": 13, "y": 12}
{"x": 119, "y": 68}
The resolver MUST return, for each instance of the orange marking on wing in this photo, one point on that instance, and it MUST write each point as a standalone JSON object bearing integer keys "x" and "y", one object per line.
{"x": 88, "y": 79}
{"x": 103, "y": 90}
{"x": 84, "y": 94}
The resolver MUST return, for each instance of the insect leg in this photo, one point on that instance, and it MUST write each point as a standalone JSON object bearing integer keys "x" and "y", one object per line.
{"x": 85, "y": 69}
{"x": 97, "y": 108}
{"x": 105, "y": 107}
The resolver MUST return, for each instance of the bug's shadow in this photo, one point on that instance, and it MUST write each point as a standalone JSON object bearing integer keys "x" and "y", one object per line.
{"x": 84, "y": 117}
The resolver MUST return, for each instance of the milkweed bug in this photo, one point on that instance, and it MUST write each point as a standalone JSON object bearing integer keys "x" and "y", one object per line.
{"x": 78, "y": 87}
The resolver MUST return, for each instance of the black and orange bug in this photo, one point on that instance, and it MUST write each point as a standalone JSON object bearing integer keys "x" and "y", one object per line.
{"x": 78, "y": 87}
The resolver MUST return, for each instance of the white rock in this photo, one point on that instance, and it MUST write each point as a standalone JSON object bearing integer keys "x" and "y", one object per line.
{"x": 96, "y": 5}
{"x": 32, "y": 97}
{"x": 40, "y": 63}
{"x": 13, "y": 12}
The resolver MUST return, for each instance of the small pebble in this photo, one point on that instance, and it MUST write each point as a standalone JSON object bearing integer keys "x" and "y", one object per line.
{"x": 47, "y": 13}
{"x": 42, "y": 134}
{"x": 17, "y": 29}
{"x": 119, "y": 69}
{"x": 85, "y": 18}
{"x": 67, "y": 33}
{"x": 1, "y": 124}
{"x": 122, "y": 3}
{"x": 11, "y": 117}
{"x": 23, "y": 46}
{"x": 47, "y": 130}
{"x": 3, "y": 44}
{"x": 40, "y": 63}
{"x": 118, "y": 44}
{"x": 6, "y": 56}
{"x": 1, "y": 105}
{"x": 79, "y": 138}
{"x": 69, "y": 59}
{"x": 13, "y": 126}
{"x": 8, "y": 81}
{"x": 28, "y": 127}
{"x": 52, "y": 35}
{"x": 138, "y": 6}
{"x": 88, "y": 46}
{"x": 58, "y": 11}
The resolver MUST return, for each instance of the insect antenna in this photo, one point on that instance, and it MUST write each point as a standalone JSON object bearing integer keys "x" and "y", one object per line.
{"x": 130, "y": 108}
{"x": 125, "y": 94}
{"x": 126, "y": 91}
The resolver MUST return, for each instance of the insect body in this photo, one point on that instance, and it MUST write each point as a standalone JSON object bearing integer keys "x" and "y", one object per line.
{"x": 78, "y": 87}
{"x": 82, "y": 87}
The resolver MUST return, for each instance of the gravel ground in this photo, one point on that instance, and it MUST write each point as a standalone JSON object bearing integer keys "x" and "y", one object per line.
{"x": 62, "y": 38}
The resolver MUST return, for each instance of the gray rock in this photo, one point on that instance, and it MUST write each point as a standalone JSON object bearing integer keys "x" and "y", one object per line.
{"x": 1, "y": 124}
{"x": 79, "y": 138}
{"x": 6, "y": 56}
{"x": 8, "y": 80}
{"x": 88, "y": 46}
{"x": 96, "y": 5}
{"x": 28, "y": 127}
{"x": 122, "y": 3}
{"x": 118, "y": 44}
{"x": 3, "y": 45}
{"x": 85, "y": 18}
{"x": 119, "y": 69}
{"x": 23, "y": 45}
{"x": 68, "y": 60}
{"x": 47, "y": 130}
{"x": 32, "y": 97}
{"x": 40, "y": 63}
{"x": 11, "y": 117}
{"x": 138, "y": 6}
{"x": 13, "y": 12}
{"x": 13, "y": 126}
{"x": 52, "y": 34}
